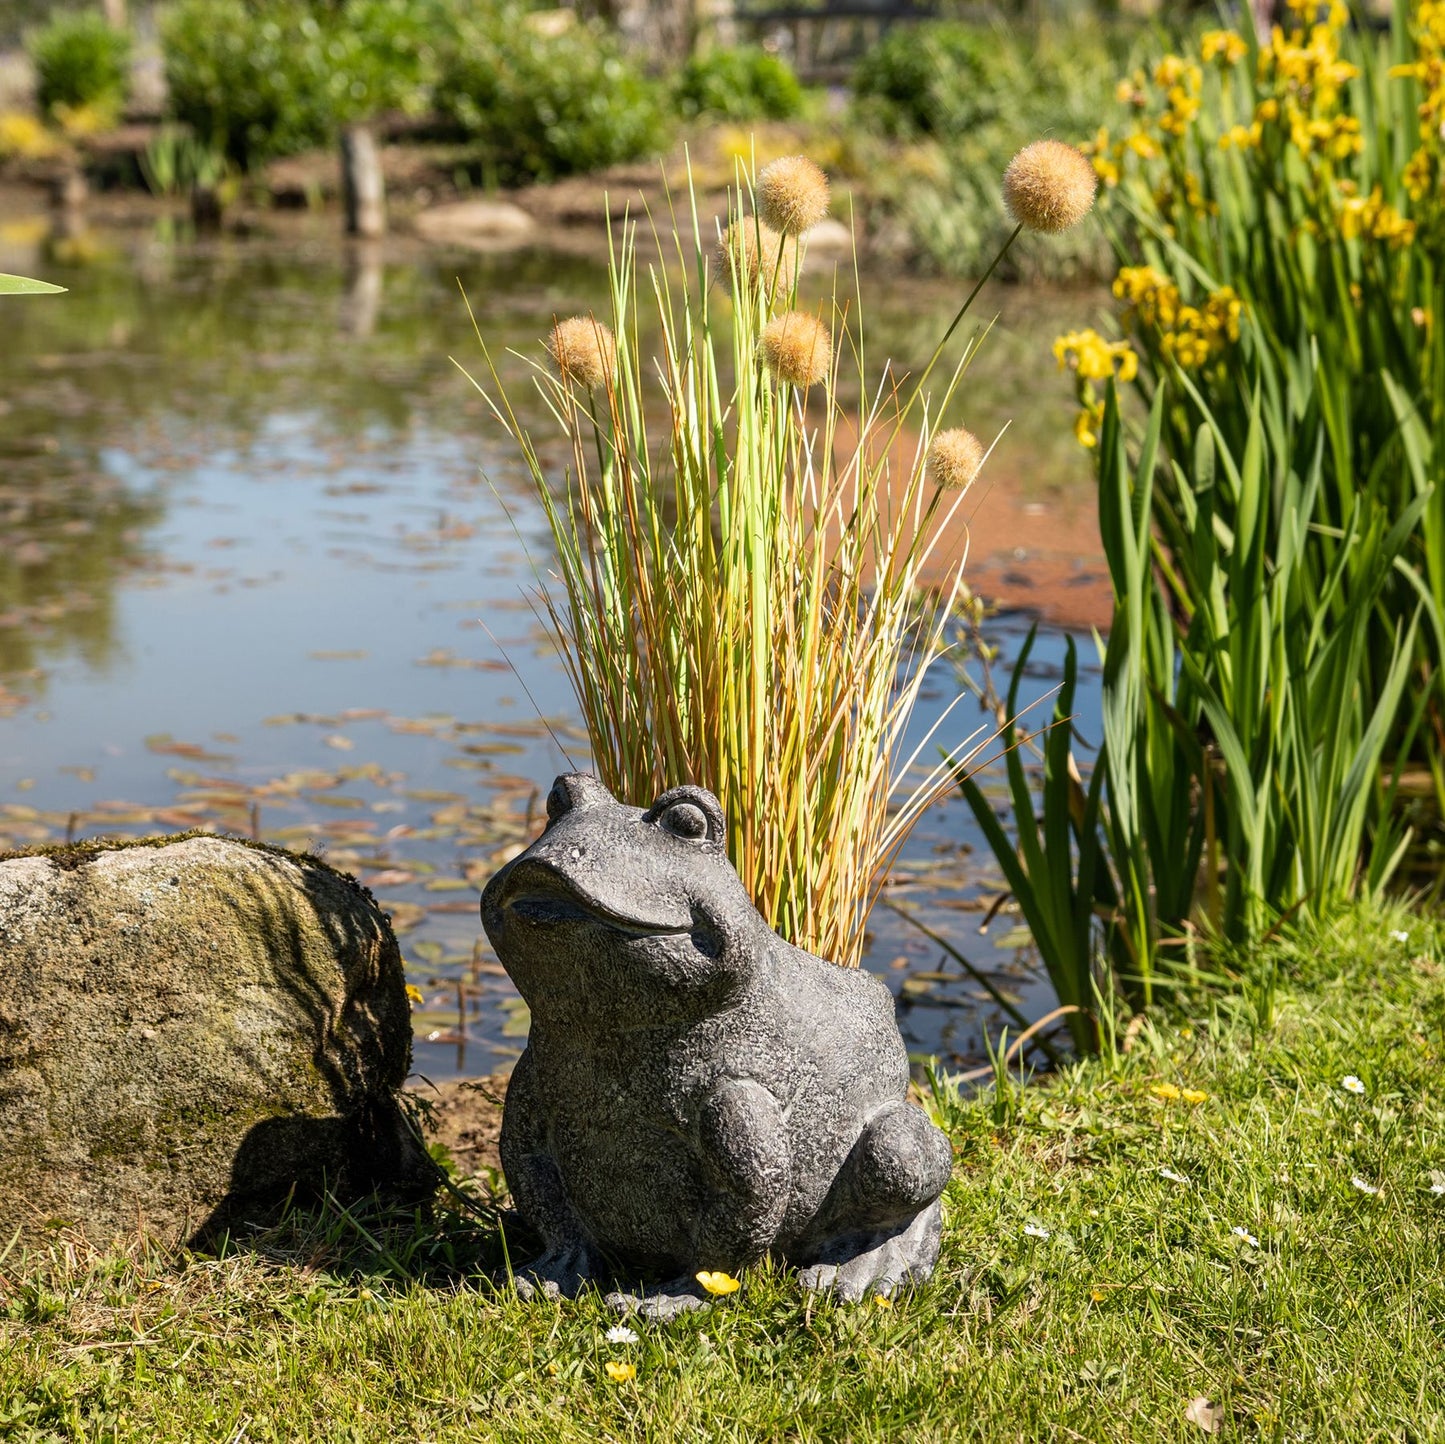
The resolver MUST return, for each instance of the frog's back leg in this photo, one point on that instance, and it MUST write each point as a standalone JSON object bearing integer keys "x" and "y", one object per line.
{"x": 880, "y": 1223}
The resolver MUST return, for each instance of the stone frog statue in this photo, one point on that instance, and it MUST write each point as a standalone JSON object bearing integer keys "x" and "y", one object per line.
{"x": 696, "y": 1092}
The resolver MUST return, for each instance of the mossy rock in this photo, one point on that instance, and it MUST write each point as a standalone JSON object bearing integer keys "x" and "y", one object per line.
{"x": 191, "y": 1028}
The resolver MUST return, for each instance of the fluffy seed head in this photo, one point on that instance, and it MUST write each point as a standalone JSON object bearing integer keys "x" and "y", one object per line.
{"x": 584, "y": 350}
{"x": 954, "y": 459}
{"x": 1049, "y": 186}
{"x": 754, "y": 251}
{"x": 792, "y": 195}
{"x": 797, "y": 348}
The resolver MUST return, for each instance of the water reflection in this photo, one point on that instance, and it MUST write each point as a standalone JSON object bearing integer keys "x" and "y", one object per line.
{"x": 272, "y": 557}
{"x": 70, "y": 539}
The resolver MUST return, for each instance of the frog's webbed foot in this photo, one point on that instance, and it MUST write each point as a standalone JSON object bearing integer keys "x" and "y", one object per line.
{"x": 879, "y": 1261}
{"x": 560, "y": 1273}
{"x": 666, "y": 1301}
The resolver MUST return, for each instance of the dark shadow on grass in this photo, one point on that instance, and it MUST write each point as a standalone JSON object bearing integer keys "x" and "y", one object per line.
{"x": 456, "y": 1236}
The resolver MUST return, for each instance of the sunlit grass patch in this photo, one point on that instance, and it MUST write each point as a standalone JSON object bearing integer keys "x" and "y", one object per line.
{"x": 1110, "y": 1258}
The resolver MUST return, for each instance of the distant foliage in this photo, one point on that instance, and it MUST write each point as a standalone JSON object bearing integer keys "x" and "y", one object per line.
{"x": 964, "y": 99}
{"x": 746, "y": 83}
{"x": 252, "y": 80}
{"x": 539, "y": 95}
{"x": 261, "y": 78}
{"x": 940, "y": 79}
{"x": 80, "y": 61}
{"x": 544, "y": 96}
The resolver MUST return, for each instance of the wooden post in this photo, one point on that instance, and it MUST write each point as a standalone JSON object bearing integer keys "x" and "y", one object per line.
{"x": 362, "y": 191}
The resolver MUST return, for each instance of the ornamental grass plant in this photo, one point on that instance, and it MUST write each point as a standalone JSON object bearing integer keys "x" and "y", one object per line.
{"x": 740, "y": 549}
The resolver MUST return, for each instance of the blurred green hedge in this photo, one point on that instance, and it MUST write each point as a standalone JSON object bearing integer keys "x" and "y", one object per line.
{"x": 539, "y": 93}
{"x": 745, "y": 83}
{"x": 956, "y": 102}
{"x": 79, "y": 61}
{"x": 545, "y": 95}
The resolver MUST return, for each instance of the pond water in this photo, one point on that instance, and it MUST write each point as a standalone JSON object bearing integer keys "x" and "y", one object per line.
{"x": 265, "y": 566}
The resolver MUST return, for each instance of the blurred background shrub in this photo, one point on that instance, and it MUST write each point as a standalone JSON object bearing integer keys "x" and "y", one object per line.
{"x": 745, "y": 83}
{"x": 540, "y": 94}
{"x": 938, "y": 79}
{"x": 80, "y": 63}
{"x": 543, "y": 94}
{"x": 967, "y": 97}
{"x": 255, "y": 80}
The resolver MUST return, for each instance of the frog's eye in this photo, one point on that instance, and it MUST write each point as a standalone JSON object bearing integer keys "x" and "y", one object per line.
{"x": 684, "y": 819}
{"x": 689, "y": 812}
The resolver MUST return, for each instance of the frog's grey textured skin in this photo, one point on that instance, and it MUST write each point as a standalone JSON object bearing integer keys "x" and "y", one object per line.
{"x": 696, "y": 1091}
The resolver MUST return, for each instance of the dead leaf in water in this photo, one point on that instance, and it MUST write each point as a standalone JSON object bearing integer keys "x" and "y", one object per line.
{"x": 445, "y": 657}
{"x": 167, "y": 746}
{"x": 391, "y": 877}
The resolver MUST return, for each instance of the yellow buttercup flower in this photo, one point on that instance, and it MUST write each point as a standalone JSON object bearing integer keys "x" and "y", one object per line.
{"x": 620, "y": 1373}
{"x": 1166, "y": 1091}
{"x": 717, "y": 1282}
{"x": 1193, "y": 1095}
{"x": 1368, "y": 217}
{"x": 1149, "y": 293}
{"x": 1418, "y": 176}
{"x": 1142, "y": 145}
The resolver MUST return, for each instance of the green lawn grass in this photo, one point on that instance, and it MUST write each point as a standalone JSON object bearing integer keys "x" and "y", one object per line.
{"x": 1084, "y": 1293}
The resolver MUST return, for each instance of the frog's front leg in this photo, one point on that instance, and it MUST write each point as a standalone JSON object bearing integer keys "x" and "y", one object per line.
{"x": 571, "y": 1260}
{"x": 746, "y": 1174}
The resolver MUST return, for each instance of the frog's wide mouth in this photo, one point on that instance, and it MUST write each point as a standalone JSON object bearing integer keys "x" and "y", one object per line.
{"x": 536, "y": 893}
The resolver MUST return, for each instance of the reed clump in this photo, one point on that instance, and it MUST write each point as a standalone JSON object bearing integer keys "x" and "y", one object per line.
{"x": 740, "y": 553}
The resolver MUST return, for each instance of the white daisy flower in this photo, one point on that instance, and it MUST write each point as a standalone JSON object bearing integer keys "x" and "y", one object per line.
{"x": 1033, "y": 1230}
{"x": 1399, "y": 937}
{"x": 1172, "y": 1176}
{"x": 1245, "y": 1234}
{"x": 1363, "y": 1186}
{"x": 1351, "y": 1084}
{"x": 621, "y": 1334}
{"x": 1438, "y": 1187}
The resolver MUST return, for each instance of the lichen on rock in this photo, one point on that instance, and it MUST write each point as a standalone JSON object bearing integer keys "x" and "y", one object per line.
{"x": 189, "y": 1028}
